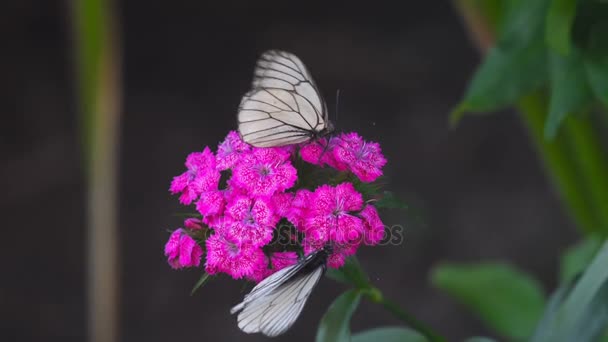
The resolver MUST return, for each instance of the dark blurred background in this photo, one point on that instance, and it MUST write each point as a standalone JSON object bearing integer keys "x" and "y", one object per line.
{"x": 475, "y": 192}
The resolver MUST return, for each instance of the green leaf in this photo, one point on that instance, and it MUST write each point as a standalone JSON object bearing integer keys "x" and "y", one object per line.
{"x": 523, "y": 21}
{"x": 596, "y": 61}
{"x": 514, "y": 67}
{"x": 544, "y": 327}
{"x": 201, "y": 281}
{"x": 390, "y": 201}
{"x": 583, "y": 315}
{"x": 350, "y": 273}
{"x": 570, "y": 91}
{"x": 579, "y": 312}
{"x": 507, "y": 299}
{"x": 559, "y": 25}
{"x": 335, "y": 324}
{"x": 576, "y": 258}
{"x": 504, "y": 76}
{"x": 388, "y": 334}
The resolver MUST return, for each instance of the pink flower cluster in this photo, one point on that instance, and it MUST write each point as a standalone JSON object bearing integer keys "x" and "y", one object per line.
{"x": 347, "y": 152}
{"x": 247, "y": 196}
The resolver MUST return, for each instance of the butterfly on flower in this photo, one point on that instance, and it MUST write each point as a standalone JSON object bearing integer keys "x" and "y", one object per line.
{"x": 275, "y": 303}
{"x": 284, "y": 106}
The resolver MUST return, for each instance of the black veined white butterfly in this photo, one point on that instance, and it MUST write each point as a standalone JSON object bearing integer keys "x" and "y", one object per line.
{"x": 284, "y": 106}
{"x": 275, "y": 303}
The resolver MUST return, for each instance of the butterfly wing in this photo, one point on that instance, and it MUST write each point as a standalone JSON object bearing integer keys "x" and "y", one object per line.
{"x": 275, "y": 303}
{"x": 285, "y": 106}
{"x": 275, "y": 312}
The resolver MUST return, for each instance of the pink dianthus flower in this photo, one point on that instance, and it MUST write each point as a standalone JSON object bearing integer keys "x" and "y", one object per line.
{"x": 193, "y": 223}
{"x": 338, "y": 255}
{"x": 201, "y": 176}
{"x": 364, "y": 159}
{"x": 318, "y": 152}
{"x": 374, "y": 228}
{"x": 211, "y": 205}
{"x": 331, "y": 214}
{"x": 278, "y": 261}
{"x": 298, "y": 209}
{"x": 248, "y": 219}
{"x": 264, "y": 171}
{"x": 230, "y": 151}
{"x": 182, "y": 251}
{"x": 238, "y": 259}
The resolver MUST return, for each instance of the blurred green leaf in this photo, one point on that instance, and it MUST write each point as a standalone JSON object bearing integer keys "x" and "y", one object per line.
{"x": 583, "y": 314}
{"x": 351, "y": 273}
{"x": 596, "y": 61}
{"x": 504, "y": 76}
{"x": 507, "y": 299}
{"x": 200, "y": 283}
{"x": 390, "y": 201}
{"x": 570, "y": 91}
{"x": 514, "y": 67}
{"x": 388, "y": 334}
{"x": 543, "y": 329}
{"x": 576, "y": 258}
{"x": 522, "y": 22}
{"x": 559, "y": 25}
{"x": 335, "y": 324}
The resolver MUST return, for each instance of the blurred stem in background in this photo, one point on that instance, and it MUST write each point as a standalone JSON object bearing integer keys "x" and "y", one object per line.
{"x": 573, "y": 158}
{"x": 99, "y": 89}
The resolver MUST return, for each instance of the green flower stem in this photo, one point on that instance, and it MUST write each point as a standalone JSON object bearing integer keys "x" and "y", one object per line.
{"x": 558, "y": 163}
{"x": 352, "y": 273}
{"x": 573, "y": 160}
{"x": 593, "y": 167}
{"x": 375, "y": 295}
{"x": 97, "y": 57}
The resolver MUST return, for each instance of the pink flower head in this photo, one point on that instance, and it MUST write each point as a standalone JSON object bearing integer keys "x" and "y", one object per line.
{"x": 339, "y": 254}
{"x": 193, "y": 223}
{"x": 278, "y": 261}
{"x": 182, "y": 251}
{"x": 238, "y": 259}
{"x": 363, "y": 158}
{"x": 230, "y": 151}
{"x": 298, "y": 209}
{"x": 265, "y": 171}
{"x": 211, "y": 205}
{"x": 201, "y": 176}
{"x": 374, "y": 228}
{"x": 318, "y": 152}
{"x": 282, "y": 203}
{"x": 330, "y": 215}
{"x": 251, "y": 220}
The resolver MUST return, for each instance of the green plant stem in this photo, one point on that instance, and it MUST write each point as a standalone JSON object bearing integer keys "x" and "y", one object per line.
{"x": 411, "y": 321}
{"x": 574, "y": 159}
{"x": 375, "y": 296}
{"x": 560, "y": 167}
{"x": 98, "y": 75}
{"x": 352, "y": 273}
{"x": 593, "y": 167}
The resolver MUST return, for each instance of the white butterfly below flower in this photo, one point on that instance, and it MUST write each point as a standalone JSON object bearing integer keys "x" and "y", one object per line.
{"x": 284, "y": 106}
{"x": 275, "y": 303}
